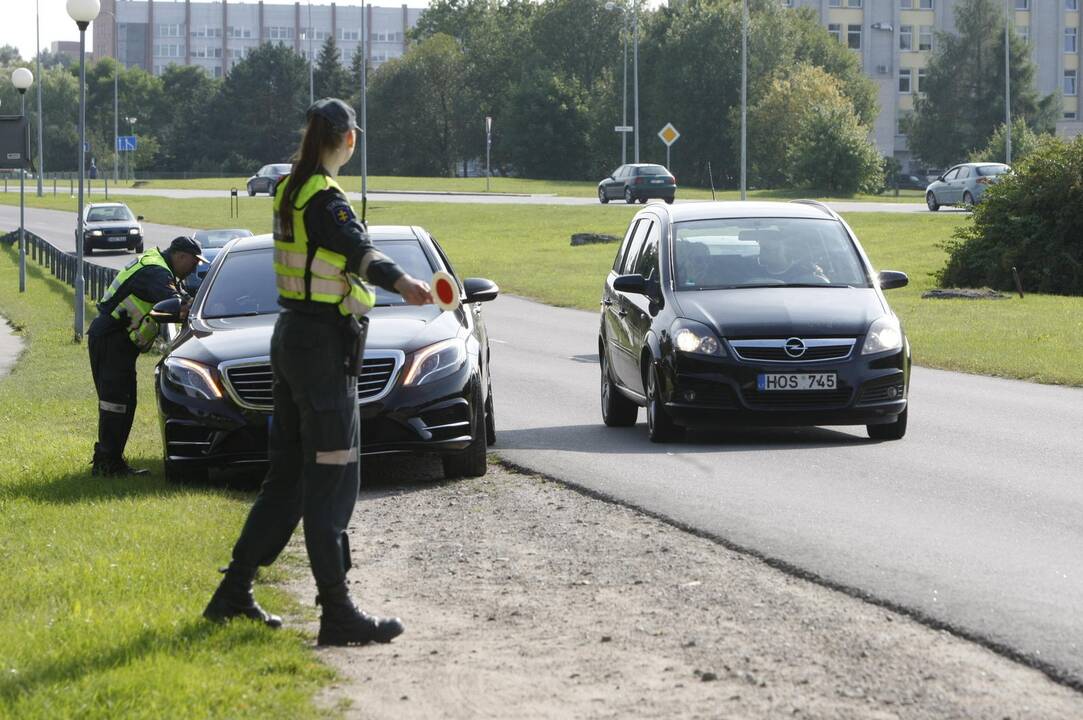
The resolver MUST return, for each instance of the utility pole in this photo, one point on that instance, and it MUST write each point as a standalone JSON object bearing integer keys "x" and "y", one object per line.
{"x": 1007, "y": 83}
{"x": 744, "y": 99}
{"x": 364, "y": 104}
{"x": 311, "y": 59}
{"x": 37, "y": 72}
{"x": 635, "y": 70}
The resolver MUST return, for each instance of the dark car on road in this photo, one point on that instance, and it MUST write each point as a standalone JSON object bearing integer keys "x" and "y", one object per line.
{"x": 750, "y": 313}
{"x": 111, "y": 226}
{"x": 212, "y": 242}
{"x": 267, "y": 178}
{"x": 425, "y": 386}
{"x": 638, "y": 183}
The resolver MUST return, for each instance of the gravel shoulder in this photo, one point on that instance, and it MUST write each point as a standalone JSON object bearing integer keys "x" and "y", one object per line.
{"x": 522, "y": 596}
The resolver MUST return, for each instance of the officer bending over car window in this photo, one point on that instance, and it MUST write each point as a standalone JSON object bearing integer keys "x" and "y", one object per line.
{"x": 122, "y": 330}
{"x": 322, "y": 252}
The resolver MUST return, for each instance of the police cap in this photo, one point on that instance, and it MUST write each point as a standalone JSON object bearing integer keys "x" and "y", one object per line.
{"x": 339, "y": 114}
{"x": 190, "y": 245}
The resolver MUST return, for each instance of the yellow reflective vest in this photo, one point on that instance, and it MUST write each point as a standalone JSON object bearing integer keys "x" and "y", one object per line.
{"x": 314, "y": 275}
{"x": 142, "y": 328}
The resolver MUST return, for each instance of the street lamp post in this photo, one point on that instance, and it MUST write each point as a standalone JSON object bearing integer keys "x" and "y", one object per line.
{"x": 311, "y": 59}
{"x": 364, "y": 108}
{"x": 22, "y": 79}
{"x": 488, "y": 149}
{"x": 1007, "y": 84}
{"x": 635, "y": 74}
{"x": 128, "y": 156}
{"x": 37, "y": 61}
{"x": 83, "y": 13}
{"x": 624, "y": 84}
{"x": 744, "y": 99}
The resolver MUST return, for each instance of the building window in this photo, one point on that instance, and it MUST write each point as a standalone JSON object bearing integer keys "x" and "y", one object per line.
{"x": 922, "y": 74}
{"x": 904, "y": 81}
{"x": 853, "y": 37}
{"x": 239, "y": 32}
{"x": 835, "y": 31}
{"x": 787, "y": 3}
{"x": 1022, "y": 4}
{"x": 1070, "y": 39}
{"x": 1069, "y": 83}
{"x": 853, "y": 3}
{"x": 279, "y": 33}
{"x": 906, "y": 4}
{"x": 925, "y": 4}
{"x": 168, "y": 30}
{"x": 925, "y": 37}
{"x": 906, "y": 37}
{"x": 1071, "y": 4}
{"x": 834, "y": 3}
{"x": 1069, "y": 115}
{"x": 349, "y": 35}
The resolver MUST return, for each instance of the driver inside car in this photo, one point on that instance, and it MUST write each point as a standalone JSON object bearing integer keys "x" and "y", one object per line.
{"x": 784, "y": 259}
{"x": 694, "y": 263}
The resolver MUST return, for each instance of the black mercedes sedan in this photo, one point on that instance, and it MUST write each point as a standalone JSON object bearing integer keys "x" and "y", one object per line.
{"x": 425, "y": 387}
{"x": 750, "y": 313}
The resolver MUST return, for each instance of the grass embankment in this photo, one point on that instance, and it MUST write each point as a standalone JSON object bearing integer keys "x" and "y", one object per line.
{"x": 525, "y": 249}
{"x": 103, "y": 580}
{"x": 569, "y": 188}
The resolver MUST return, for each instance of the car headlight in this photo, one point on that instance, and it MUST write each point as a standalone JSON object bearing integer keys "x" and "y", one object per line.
{"x": 696, "y": 338}
{"x": 133, "y": 231}
{"x": 193, "y": 379}
{"x": 95, "y": 233}
{"x": 436, "y": 361}
{"x": 884, "y": 334}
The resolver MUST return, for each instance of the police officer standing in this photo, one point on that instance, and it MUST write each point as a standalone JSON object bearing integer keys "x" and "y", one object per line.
{"x": 122, "y": 330}
{"x": 322, "y": 252}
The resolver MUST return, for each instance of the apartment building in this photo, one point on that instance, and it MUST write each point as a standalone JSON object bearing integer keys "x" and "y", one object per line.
{"x": 215, "y": 35}
{"x": 894, "y": 39}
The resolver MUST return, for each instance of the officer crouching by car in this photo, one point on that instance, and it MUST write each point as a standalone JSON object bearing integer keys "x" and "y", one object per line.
{"x": 123, "y": 330}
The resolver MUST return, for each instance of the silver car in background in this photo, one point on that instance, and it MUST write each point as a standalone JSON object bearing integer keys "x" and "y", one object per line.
{"x": 963, "y": 184}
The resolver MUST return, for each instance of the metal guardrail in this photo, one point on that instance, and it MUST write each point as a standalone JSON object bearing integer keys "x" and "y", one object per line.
{"x": 96, "y": 278}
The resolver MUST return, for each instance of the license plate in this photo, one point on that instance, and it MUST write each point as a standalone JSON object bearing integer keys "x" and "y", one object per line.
{"x": 657, "y": 182}
{"x": 118, "y": 239}
{"x": 796, "y": 381}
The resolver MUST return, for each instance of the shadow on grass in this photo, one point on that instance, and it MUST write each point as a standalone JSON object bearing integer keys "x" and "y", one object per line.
{"x": 186, "y": 639}
{"x": 83, "y": 487}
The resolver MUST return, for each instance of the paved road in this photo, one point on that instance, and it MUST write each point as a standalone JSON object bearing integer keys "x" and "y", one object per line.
{"x": 973, "y": 520}
{"x": 467, "y": 198}
{"x": 58, "y": 227}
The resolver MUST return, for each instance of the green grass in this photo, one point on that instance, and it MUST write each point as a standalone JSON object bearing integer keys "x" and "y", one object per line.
{"x": 103, "y": 580}
{"x": 526, "y": 250}
{"x": 382, "y": 183}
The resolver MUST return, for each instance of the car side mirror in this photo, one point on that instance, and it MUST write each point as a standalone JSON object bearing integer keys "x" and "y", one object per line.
{"x": 941, "y": 179}
{"x": 169, "y": 311}
{"x": 891, "y": 279}
{"x": 636, "y": 284}
{"x": 139, "y": 217}
{"x": 480, "y": 290}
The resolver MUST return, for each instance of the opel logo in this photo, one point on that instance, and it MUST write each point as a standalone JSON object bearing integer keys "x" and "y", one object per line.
{"x": 794, "y": 347}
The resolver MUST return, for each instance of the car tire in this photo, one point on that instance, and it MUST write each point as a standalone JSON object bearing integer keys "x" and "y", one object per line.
{"x": 669, "y": 201}
{"x": 490, "y": 418}
{"x": 602, "y": 197}
{"x": 251, "y": 190}
{"x": 181, "y": 474}
{"x": 890, "y": 431}
{"x": 628, "y": 196}
{"x": 660, "y": 426}
{"x": 930, "y": 200}
{"x": 139, "y": 248}
{"x": 617, "y": 410}
{"x": 473, "y": 461}
{"x": 88, "y": 249}
{"x": 968, "y": 200}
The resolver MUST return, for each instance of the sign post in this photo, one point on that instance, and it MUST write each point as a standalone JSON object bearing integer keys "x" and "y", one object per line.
{"x": 127, "y": 144}
{"x": 488, "y": 149}
{"x": 669, "y": 136}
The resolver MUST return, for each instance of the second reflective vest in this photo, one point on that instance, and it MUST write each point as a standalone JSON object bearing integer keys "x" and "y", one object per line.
{"x": 142, "y": 328}
{"x": 319, "y": 275}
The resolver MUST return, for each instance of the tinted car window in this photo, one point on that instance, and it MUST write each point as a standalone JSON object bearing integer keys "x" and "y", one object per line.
{"x": 245, "y": 284}
{"x": 219, "y": 238}
{"x": 988, "y": 170}
{"x": 109, "y": 214}
{"x": 652, "y": 170}
{"x": 711, "y": 254}
{"x": 647, "y": 262}
{"x": 280, "y": 169}
{"x": 623, "y": 249}
{"x": 629, "y": 264}
{"x": 952, "y": 174}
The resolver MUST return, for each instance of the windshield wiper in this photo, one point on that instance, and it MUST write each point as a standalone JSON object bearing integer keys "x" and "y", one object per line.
{"x": 248, "y": 313}
{"x": 775, "y": 285}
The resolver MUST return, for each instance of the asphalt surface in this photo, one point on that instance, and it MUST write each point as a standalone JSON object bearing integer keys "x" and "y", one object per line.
{"x": 972, "y": 520}
{"x": 475, "y": 198}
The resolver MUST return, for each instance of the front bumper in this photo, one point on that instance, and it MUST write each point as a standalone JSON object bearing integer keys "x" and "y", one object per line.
{"x": 437, "y": 417}
{"x": 870, "y": 390}
{"x": 112, "y": 242}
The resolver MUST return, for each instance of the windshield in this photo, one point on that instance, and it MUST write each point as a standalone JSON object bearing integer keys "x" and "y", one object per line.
{"x": 245, "y": 284}
{"x": 281, "y": 169}
{"x": 109, "y": 214}
{"x": 993, "y": 169}
{"x": 652, "y": 170}
{"x": 219, "y": 238}
{"x": 764, "y": 252}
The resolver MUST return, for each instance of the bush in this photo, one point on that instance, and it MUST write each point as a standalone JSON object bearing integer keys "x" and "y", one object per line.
{"x": 1024, "y": 140}
{"x": 1032, "y": 220}
{"x": 832, "y": 152}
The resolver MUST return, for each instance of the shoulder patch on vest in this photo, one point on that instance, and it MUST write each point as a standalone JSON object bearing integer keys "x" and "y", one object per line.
{"x": 341, "y": 212}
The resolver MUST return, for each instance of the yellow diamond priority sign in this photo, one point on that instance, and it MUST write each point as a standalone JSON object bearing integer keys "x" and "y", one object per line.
{"x": 669, "y": 134}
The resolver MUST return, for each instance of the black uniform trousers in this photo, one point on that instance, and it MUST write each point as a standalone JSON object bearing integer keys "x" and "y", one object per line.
{"x": 314, "y": 440}
{"x": 112, "y": 364}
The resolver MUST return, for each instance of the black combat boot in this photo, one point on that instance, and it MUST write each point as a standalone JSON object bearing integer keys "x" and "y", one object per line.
{"x": 233, "y": 598}
{"x": 341, "y": 623}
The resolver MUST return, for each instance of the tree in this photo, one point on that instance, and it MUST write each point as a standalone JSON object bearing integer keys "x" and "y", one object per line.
{"x": 832, "y": 152}
{"x": 332, "y": 79}
{"x": 264, "y": 98}
{"x": 549, "y": 134}
{"x": 9, "y": 55}
{"x": 1024, "y": 142}
{"x": 963, "y": 101}
{"x": 1031, "y": 220}
{"x": 190, "y": 95}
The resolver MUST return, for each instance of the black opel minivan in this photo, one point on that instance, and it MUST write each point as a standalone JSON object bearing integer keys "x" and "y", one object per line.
{"x": 750, "y": 313}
